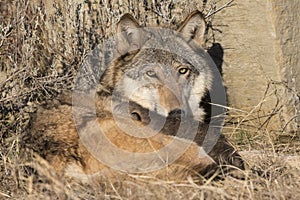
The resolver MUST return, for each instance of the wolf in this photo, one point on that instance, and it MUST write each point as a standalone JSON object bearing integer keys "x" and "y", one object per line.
{"x": 156, "y": 76}
{"x": 168, "y": 72}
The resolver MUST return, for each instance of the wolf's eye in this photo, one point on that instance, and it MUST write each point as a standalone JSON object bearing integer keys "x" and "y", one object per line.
{"x": 183, "y": 70}
{"x": 151, "y": 73}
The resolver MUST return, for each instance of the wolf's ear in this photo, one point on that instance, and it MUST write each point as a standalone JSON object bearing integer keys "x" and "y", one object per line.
{"x": 193, "y": 27}
{"x": 128, "y": 33}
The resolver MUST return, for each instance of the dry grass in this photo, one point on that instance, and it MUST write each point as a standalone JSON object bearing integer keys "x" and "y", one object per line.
{"x": 41, "y": 48}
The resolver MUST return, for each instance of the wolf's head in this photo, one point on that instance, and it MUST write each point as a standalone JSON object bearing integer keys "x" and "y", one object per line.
{"x": 160, "y": 69}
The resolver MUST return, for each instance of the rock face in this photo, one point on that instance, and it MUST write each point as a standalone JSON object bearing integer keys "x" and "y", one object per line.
{"x": 262, "y": 56}
{"x": 286, "y": 17}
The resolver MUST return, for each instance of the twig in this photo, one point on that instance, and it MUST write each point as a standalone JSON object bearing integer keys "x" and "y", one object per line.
{"x": 289, "y": 121}
{"x": 5, "y": 195}
{"x": 212, "y": 12}
{"x": 12, "y": 76}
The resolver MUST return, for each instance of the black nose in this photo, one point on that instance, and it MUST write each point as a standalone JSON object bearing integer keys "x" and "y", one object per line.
{"x": 177, "y": 113}
{"x": 136, "y": 116}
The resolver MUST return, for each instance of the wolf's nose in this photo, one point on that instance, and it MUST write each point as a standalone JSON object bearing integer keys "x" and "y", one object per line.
{"x": 177, "y": 113}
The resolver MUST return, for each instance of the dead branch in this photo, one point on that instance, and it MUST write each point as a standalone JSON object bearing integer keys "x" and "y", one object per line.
{"x": 214, "y": 11}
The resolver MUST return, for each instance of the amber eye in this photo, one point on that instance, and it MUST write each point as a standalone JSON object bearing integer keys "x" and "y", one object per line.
{"x": 183, "y": 70}
{"x": 151, "y": 73}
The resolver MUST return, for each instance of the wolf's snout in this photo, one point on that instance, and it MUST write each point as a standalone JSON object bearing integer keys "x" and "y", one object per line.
{"x": 168, "y": 100}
